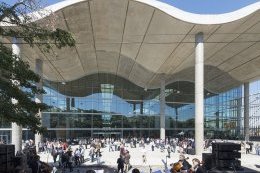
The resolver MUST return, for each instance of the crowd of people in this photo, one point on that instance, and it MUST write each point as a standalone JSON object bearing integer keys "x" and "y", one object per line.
{"x": 90, "y": 150}
{"x": 64, "y": 157}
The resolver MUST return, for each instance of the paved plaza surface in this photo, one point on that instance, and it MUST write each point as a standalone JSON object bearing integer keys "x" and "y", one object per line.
{"x": 155, "y": 159}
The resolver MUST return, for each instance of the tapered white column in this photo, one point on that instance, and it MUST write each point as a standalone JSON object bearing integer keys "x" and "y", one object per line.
{"x": 246, "y": 111}
{"x": 16, "y": 129}
{"x": 162, "y": 109}
{"x": 38, "y": 98}
{"x": 199, "y": 93}
{"x": 17, "y": 137}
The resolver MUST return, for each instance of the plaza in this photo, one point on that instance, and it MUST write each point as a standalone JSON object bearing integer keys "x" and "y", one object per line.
{"x": 155, "y": 159}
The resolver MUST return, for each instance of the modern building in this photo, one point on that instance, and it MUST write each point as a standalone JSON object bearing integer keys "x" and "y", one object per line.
{"x": 145, "y": 68}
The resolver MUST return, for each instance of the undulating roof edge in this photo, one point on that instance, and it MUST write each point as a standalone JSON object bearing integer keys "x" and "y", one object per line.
{"x": 206, "y": 19}
{"x": 177, "y": 13}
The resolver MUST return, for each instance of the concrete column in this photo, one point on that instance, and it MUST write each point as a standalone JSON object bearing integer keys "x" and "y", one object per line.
{"x": 246, "y": 111}
{"x": 17, "y": 132}
{"x": 38, "y": 99}
{"x": 162, "y": 109}
{"x": 199, "y": 93}
{"x": 16, "y": 129}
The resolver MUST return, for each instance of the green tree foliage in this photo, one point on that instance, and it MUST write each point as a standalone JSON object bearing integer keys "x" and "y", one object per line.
{"x": 17, "y": 81}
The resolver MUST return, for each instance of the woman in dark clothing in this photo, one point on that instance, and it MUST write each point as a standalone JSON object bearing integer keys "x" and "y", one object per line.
{"x": 197, "y": 168}
{"x": 185, "y": 164}
{"x": 120, "y": 164}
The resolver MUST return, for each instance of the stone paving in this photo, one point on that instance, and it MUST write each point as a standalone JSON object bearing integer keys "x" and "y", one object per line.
{"x": 155, "y": 159}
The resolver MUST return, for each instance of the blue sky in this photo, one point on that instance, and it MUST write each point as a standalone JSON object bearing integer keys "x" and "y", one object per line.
{"x": 194, "y": 6}
{"x": 210, "y": 6}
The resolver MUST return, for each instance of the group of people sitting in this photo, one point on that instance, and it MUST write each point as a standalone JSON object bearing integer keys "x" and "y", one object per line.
{"x": 183, "y": 166}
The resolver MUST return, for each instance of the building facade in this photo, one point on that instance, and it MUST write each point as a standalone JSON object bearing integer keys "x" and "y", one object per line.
{"x": 108, "y": 106}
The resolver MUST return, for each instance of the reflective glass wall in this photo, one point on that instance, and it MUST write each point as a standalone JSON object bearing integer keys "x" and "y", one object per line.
{"x": 107, "y": 105}
{"x": 254, "y": 110}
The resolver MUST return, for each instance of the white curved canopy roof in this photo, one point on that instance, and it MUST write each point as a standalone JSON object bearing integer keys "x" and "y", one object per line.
{"x": 140, "y": 40}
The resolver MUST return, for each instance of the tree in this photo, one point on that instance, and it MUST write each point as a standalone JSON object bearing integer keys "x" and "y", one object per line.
{"x": 16, "y": 22}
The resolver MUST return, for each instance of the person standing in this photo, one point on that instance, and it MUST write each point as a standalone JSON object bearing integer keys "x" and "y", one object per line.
{"x": 54, "y": 154}
{"x": 134, "y": 142}
{"x": 77, "y": 157}
{"x": 152, "y": 147}
{"x": 144, "y": 155}
{"x": 82, "y": 154}
{"x": 196, "y": 168}
{"x": 120, "y": 164}
{"x": 173, "y": 146}
{"x": 92, "y": 153}
{"x": 127, "y": 161}
{"x": 169, "y": 151}
{"x": 70, "y": 160}
{"x": 110, "y": 144}
{"x": 247, "y": 147}
{"x": 185, "y": 164}
{"x": 122, "y": 149}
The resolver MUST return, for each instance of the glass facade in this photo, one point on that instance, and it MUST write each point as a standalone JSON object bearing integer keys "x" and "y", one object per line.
{"x": 107, "y": 105}
{"x": 254, "y": 110}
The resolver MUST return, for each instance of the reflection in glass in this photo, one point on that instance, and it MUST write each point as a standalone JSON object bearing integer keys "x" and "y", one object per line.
{"x": 107, "y": 105}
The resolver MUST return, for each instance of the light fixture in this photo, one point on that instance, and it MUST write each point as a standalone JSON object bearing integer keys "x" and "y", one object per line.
{"x": 63, "y": 83}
